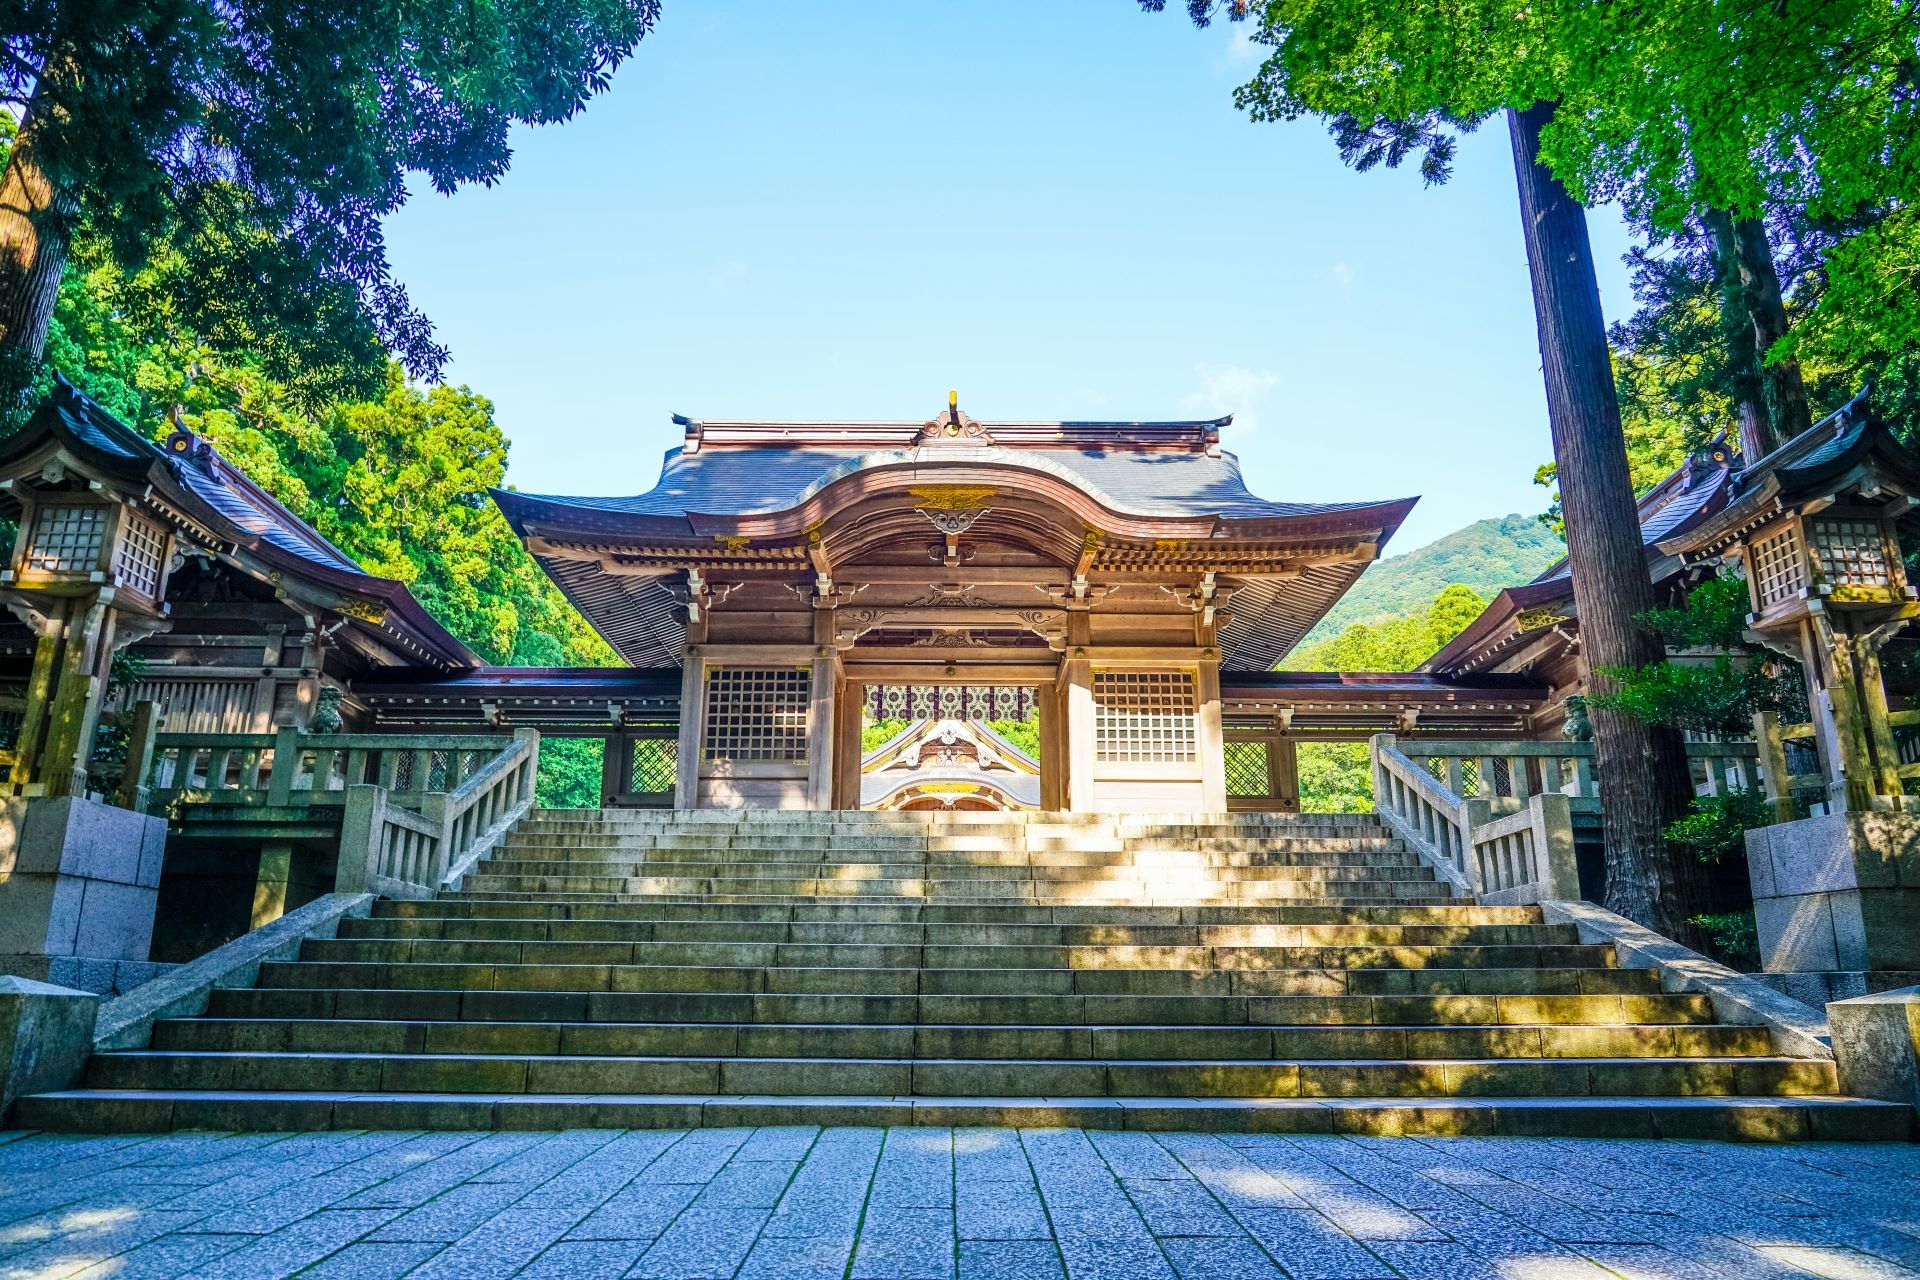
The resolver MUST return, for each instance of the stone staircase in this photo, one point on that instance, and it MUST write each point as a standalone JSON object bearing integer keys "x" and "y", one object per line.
{"x": 1276, "y": 972}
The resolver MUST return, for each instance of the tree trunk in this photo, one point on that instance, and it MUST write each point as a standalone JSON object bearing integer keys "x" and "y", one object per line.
{"x": 36, "y": 228}
{"x": 1644, "y": 783}
{"x": 1771, "y": 398}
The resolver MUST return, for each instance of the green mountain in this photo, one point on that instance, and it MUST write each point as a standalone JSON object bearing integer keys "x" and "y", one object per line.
{"x": 1486, "y": 555}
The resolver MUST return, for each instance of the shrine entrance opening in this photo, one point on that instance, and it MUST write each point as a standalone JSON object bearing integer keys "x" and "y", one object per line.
{"x": 969, "y": 747}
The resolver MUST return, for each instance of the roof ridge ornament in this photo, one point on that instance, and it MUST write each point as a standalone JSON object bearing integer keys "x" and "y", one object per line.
{"x": 952, "y": 427}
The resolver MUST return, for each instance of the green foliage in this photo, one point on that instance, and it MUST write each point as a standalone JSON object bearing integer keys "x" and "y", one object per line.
{"x": 1335, "y": 777}
{"x": 875, "y": 734}
{"x": 1486, "y": 556}
{"x": 1713, "y": 616}
{"x": 1393, "y": 644}
{"x": 1720, "y": 696}
{"x": 236, "y": 160}
{"x": 1024, "y": 734}
{"x": 1717, "y": 826}
{"x": 569, "y": 776}
{"x": 1733, "y": 938}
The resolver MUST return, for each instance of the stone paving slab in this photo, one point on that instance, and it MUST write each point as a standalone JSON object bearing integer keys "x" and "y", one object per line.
{"x": 795, "y": 1202}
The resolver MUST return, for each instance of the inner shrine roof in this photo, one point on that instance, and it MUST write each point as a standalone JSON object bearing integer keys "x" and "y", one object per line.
{"x": 1166, "y": 470}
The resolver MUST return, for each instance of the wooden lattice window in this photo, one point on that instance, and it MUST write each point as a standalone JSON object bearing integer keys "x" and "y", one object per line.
{"x": 136, "y": 561}
{"x": 757, "y": 713}
{"x": 1247, "y": 769}
{"x": 651, "y": 770}
{"x": 1852, "y": 552}
{"x": 1779, "y": 570}
{"x": 66, "y": 538}
{"x": 1144, "y": 717}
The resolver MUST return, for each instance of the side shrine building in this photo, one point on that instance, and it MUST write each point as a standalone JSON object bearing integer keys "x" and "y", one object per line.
{"x": 1110, "y": 575}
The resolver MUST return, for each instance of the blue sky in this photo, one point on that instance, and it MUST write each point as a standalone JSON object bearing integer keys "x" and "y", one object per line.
{"x": 842, "y": 210}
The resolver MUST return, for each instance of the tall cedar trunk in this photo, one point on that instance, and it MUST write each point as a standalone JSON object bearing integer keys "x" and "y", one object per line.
{"x": 1771, "y": 398}
{"x": 36, "y": 227}
{"x": 1644, "y": 783}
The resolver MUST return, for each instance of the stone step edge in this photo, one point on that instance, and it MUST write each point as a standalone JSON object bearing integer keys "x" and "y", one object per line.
{"x": 1751, "y": 1119}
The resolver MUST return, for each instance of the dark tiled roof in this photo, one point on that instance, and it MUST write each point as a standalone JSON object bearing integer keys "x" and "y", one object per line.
{"x": 761, "y": 480}
{"x": 214, "y": 491}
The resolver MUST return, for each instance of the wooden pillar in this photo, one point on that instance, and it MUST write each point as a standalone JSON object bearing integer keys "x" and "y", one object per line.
{"x": 1773, "y": 764}
{"x": 1283, "y": 772}
{"x": 1210, "y": 740}
{"x": 75, "y": 712}
{"x": 821, "y": 725}
{"x": 616, "y": 765}
{"x": 33, "y": 723}
{"x": 693, "y": 714}
{"x": 1076, "y": 695}
{"x": 1053, "y": 747}
{"x": 849, "y": 700}
{"x": 1874, "y": 714}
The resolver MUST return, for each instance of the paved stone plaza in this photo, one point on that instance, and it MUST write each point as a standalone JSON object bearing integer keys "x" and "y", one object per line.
{"x": 892, "y": 1204}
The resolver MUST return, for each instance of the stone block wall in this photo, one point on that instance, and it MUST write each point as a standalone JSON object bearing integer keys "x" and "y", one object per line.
{"x": 78, "y": 884}
{"x": 1836, "y": 900}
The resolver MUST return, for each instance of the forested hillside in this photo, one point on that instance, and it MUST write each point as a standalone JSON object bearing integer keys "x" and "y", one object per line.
{"x": 1486, "y": 556}
{"x": 398, "y": 482}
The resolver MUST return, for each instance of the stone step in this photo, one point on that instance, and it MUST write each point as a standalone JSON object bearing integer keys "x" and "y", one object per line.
{"x": 1320, "y": 999}
{"x": 748, "y": 1040}
{"x": 935, "y": 935}
{"x": 542, "y": 903}
{"x": 772, "y": 845}
{"x": 1011, "y": 914}
{"x": 772, "y": 876}
{"x": 535, "y": 889}
{"x": 986, "y": 956}
{"x": 565, "y": 860}
{"x": 1742, "y": 1119}
{"x": 972, "y": 1078}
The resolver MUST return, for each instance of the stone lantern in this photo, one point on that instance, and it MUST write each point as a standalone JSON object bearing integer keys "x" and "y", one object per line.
{"x": 1814, "y": 524}
{"x": 88, "y": 574}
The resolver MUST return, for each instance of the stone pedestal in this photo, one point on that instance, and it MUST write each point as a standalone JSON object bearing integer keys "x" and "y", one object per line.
{"x": 1876, "y": 1041}
{"x": 46, "y": 1033}
{"x": 78, "y": 884}
{"x": 1837, "y": 903}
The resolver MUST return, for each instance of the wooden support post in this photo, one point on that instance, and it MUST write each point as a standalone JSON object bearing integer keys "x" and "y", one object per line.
{"x": 75, "y": 712}
{"x": 616, "y": 768}
{"x": 1874, "y": 712}
{"x": 848, "y": 704}
{"x": 1053, "y": 747}
{"x": 820, "y": 730}
{"x": 1076, "y": 692}
{"x": 693, "y": 706}
{"x": 140, "y": 736}
{"x": 1283, "y": 772}
{"x": 1210, "y": 740}
{"x": 33, "y": 723}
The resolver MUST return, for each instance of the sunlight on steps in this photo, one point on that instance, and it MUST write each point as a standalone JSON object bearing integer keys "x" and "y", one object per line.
{"x": 1301, "y": 973}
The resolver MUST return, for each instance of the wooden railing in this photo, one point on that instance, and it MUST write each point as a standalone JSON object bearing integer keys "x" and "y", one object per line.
{"x": 416, "y": 811}
{"x": 1495, "y": 819}
{"x": 389, "y": 848}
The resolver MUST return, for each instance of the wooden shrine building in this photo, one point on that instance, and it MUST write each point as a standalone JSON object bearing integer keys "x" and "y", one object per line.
{"x": 1112, "y": 575}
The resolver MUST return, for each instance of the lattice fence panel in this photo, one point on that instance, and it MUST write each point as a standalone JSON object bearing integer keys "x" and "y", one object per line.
{"x": 757, "y": 713}
{"x": 1247, "y": 769}
{"x": 66, "y": 539}
{"x": 653, "y": 771}
{"x": 1144, "y": 717}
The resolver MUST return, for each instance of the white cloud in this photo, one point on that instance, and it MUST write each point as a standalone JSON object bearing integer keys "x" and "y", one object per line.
{"x": 1230, "y": 388}
{"x": 729, "y": 273}
{"x": 1342, "y": 275}
{"x": 1241, "y": 52}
